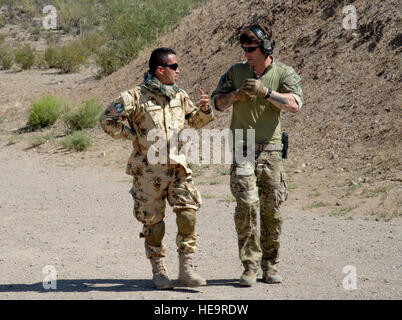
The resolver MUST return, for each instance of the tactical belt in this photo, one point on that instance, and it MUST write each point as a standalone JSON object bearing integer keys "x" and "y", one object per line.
{"x": 259, "y": 147}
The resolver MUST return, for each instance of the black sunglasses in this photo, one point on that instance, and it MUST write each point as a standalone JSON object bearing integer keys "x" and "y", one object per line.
{"x": 249, "y": 49}
{"x": 172, "y": 66}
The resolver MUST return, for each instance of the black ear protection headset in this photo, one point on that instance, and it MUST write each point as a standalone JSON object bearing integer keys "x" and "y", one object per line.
{"x": 265, "y": 44}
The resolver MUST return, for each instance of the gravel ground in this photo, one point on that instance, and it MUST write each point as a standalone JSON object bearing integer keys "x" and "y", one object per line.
{"x": 78, "y": 219}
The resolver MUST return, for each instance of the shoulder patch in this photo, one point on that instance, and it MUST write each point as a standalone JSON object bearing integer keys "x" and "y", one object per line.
{"x": 118, "y": 108}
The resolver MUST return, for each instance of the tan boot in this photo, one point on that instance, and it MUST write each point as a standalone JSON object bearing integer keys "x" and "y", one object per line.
{"x": 160, "y": 277}
{"x": 187, "y": 275}
{"x": 271, "y": 276}
{"x": 249, "y": 277}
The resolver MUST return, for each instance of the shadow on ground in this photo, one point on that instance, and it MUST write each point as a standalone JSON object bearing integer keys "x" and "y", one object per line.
{"x": 107, "y": 285}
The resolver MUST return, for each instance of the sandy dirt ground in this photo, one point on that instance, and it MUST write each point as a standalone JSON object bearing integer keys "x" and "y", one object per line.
{"x": 78, "y": 220}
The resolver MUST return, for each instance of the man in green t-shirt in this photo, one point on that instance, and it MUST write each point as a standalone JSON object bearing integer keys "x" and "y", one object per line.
{"x": 259, "y": 89}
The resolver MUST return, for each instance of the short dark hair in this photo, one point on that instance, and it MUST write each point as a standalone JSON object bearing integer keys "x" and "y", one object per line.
{"x": 248, "y": 37}
{"x": 159, "y": 57}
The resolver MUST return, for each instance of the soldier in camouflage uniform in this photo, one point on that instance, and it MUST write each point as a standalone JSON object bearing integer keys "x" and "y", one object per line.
{"x": 158, "y": 104}
{"x": 259, "y": 89}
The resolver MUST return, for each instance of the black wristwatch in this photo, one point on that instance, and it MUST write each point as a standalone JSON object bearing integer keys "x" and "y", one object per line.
{"x": 268, "y": 94}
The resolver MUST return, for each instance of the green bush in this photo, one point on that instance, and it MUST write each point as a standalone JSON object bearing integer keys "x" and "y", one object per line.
{"x": 93, "y": 40}
{"x": 44, "y": 112}
{"x": 87, "y": 116}
{"x": 114, "y": 30}
{"x": 38, "y": 140}
{"x": 108, "y": 61}
{"x": 25, "y": 56}
{"x": 52, "y": 57}
{"x": 75, "y": 16}
{"x": 131, "y": 26}
{"x": 6, "y": 57}
{"x": 78, "y": 141}
{"x": 30, "y": 7}
{"x": 71, "y": 56}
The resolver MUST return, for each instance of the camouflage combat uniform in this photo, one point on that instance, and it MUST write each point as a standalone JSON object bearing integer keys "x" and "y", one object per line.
{"x": 146, "y": 110}
{"x": 263, "y": 180}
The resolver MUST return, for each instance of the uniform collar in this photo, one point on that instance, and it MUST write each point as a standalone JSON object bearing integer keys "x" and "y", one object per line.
{"x": 271, "y": 65}
{"x": 153, "y": 84}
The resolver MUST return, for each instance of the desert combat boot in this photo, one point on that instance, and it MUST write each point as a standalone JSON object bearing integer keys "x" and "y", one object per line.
{"x": 249, "y": 277}
{"x": 271, "y": 276}
{"x": 160, "y": 277}
{"x": 187, "y": 275}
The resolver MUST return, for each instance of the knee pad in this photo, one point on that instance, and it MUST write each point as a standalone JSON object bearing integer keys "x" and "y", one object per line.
{"x": 185, "y": 220}
{"x": 153, "y": 234}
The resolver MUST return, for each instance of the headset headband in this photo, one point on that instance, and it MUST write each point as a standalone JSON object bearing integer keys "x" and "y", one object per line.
{"x": 259, "y": 34}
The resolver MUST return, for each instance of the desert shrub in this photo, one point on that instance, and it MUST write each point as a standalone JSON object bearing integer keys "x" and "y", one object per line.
{"x": 13, "y": 140}
{"x": 44, "y": 112}
{"x": 75, "y": 17}
{"x": 115, "y": 31}
{"x": 131, "y": 26}
{"x": 92, "y": 40}
{"x": 52, "y": 57}
{"x": 30, "y": 7}
{"x": 6, "y": 57}
{"x": 77, "y": 140}
{"x": 86, "y": 116}
{"x": 38, "y": 140}
{"x": 71, "y": 56}
{"x": 108, "y": 61}
{"x": 25, "y": 56}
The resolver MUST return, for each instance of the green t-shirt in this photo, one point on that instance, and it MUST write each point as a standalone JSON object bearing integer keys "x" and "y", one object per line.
{"x": 259, "y": 114}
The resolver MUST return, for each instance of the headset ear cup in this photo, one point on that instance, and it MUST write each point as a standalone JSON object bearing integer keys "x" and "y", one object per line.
{"x": 268, "y": 48}
{"x": 267, "y": 45}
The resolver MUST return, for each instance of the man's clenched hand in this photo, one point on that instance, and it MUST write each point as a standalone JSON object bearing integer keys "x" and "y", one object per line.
{"x": 242, "y": 95}
{"x": 255, "y": 87}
